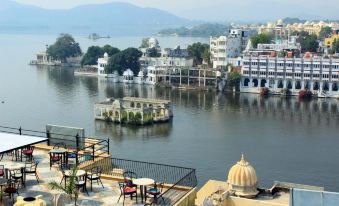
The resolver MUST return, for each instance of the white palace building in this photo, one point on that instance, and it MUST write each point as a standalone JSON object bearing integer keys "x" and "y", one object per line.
{"x": 317, "y": 74}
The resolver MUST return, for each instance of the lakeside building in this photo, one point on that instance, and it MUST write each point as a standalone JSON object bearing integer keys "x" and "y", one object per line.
{"x": 282, "y": 30}
{"x": 317, "y": 74}
{"x": 129, "y": 109}
{"x": 328, "y": 42}
{"x": 42, "y": 58}
{"x": 241, "y": 188}
{"x": 225, "y": 48}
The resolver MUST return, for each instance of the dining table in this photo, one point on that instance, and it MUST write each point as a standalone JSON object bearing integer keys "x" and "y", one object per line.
{"x": 143, "y": 183}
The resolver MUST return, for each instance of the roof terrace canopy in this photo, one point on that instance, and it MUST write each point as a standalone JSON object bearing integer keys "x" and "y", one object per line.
{"x": 9, "y": 142}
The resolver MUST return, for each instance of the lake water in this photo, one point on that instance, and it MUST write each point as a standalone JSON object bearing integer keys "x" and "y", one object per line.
{"x": 284, "y": 139}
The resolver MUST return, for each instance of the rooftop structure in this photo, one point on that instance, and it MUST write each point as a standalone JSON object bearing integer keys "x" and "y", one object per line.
{"x": 241, "y": 189}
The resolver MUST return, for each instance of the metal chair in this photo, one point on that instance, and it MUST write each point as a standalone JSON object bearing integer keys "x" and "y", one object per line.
{"x": 95, "y": 175}
{"x": 28, "y": 152}
{"x": 2, "y": 171}
{"x": 31, "y": 168}
{"x": 128, "y": 178}
{"x": 156, "y": 191}
{"x": 80, "y": 183}
{"x": 12, "y": 188}
{"x": 127, "y": 191}
{"x": 18, "y": 176}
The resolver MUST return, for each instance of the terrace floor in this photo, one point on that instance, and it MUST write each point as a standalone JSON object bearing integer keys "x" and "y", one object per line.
{"x": 108, "y": 195}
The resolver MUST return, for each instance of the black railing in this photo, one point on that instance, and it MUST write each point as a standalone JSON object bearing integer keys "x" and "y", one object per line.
{"x": 178, "y": 181}
{"x": 75, "y": 142}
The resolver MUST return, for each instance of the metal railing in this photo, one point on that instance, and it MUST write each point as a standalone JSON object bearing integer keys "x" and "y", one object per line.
{"x": 95, "y": 146}
{"x": 178, "y": 180}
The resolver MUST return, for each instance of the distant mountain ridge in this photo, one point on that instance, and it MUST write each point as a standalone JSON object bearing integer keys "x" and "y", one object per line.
{"x": 109, "y": 18}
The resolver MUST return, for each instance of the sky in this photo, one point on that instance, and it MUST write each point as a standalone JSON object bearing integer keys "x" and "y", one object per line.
{"x": 220, "y": 10}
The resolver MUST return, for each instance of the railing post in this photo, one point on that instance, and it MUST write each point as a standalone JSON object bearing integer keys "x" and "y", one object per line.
{"x": 48, "y": 137}
{"x": 107, "y": 145}
{"x": 93, "y": 152}
{"x": 77, "y": 139}
{"x": 20, "y": 130}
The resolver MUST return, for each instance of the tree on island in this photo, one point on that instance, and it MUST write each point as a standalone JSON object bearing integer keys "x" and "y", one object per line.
{"x": 64, "y": 47}
{"x": 95, "y": 52}
{"x": 264, "y": 38}
{"x": 126, "y": 59}
{"x": 325, "y": 32}
{"x": 199, "y": 52}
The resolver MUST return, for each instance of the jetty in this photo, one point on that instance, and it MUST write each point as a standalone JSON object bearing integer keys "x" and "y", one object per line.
{"x": 133, "y": 110}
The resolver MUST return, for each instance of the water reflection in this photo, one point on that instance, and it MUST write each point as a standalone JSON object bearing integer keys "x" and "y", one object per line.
{"x": 119, "y": 133}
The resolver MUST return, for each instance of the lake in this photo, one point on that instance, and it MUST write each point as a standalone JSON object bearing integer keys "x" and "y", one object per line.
{"x": 284, "y": 139}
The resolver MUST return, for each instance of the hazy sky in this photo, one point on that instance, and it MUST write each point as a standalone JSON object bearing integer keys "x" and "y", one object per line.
{"x": 221, "y": 10}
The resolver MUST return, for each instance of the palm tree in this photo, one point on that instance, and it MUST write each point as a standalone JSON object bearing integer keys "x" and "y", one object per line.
{"x": 70, "y": 188}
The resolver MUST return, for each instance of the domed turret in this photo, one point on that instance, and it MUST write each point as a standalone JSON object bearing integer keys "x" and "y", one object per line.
{"x": 242, "y": 179}
{"x": 105, "y": 56}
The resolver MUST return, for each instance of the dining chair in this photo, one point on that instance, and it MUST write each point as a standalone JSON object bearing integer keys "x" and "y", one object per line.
{"x": 11, "y": 189}
{"x": 28, "y": 152}
{"x": 128, "y": 178}
{"x": 95, "y": 175}
{"x": 156, "y": 191}
{"x": 2, "y": 171}
{"x": 59, "y": 145}
{"x": 31, "y": 168}
{"x": 18, "y": 176}
{"x": 80, "y": 183}
{"x": 127, "y": 191}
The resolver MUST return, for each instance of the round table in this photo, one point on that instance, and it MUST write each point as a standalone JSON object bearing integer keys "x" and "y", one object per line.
{"x": 12, "y": 165}
{"x": 78, "y": 174}
{"x": 142, "y": 183}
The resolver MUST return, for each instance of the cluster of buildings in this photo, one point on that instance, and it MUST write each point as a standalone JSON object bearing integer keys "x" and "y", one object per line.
{"x": 170, "y": 66}
{"x": 280, "y": 65}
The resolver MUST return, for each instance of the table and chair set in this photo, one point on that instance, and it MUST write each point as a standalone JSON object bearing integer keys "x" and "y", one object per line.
{"x": 148, "y": 188}
{"x": 14, "y": 167}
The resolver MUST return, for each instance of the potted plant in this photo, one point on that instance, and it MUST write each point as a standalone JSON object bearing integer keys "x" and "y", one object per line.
{"x": 70, "y": 188}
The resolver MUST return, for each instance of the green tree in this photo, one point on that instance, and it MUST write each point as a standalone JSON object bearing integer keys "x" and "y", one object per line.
{"x": 233, "y": 79}
{"x": 92, "y": 55}
{"x": 110, "y": 50}
{"x": 264, "y": 38}
{"x": 207, "y": 56}
{"x": 95, "y": 52}
{"x": 126, "y": 59}
{"x": 335, "y": 46}
{"x": 197, "y": 51}
{"x": 64, "y": 47}
{"x": 309, "y": 43}
{"x": 325, "y": 32}
{"x": 144, "y": 43}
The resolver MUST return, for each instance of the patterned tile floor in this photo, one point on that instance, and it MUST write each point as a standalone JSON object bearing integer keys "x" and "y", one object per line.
{"x": 108, "y": 195}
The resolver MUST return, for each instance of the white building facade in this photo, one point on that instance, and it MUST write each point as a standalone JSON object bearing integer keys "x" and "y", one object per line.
{"x": 224, "y": 48}
{"x": 317, "y": 74}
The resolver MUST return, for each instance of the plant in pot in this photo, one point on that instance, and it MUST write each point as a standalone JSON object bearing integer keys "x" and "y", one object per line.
{"x": 69, "y": 188}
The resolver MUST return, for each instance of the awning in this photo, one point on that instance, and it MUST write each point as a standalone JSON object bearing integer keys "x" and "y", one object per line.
{"x": 9, "y": 142}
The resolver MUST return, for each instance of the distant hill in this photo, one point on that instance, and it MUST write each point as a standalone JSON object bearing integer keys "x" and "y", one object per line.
{"x": 110, "y": 18}
{"x": 202, "y": 30}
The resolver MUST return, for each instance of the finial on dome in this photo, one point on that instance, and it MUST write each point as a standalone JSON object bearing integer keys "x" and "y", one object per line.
{"x": 242, "y": 157}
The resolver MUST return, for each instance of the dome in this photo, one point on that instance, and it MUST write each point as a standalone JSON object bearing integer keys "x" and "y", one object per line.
{"x": 280, "y": 22}
{"x": 242, "y": 179}
{"x": 128, "y": 72}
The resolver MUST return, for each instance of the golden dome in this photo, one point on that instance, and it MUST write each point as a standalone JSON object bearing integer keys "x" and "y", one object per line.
{"x": 242, "y": 178}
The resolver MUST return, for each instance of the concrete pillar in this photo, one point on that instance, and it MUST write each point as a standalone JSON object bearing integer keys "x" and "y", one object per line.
{"x": 275, "y": 84}
{"x": 302, "y": 84}
{"x": 188, "y": 77}
{"x": 250, "y": 83}
{"x": 199, "y": 77}
{"x": 285, "y": 84}
{"x": 293, "y": 85}
{"x": 180, "y": 77}
{"x": 204, "y": 78}
{"x": 330, "y": 85}
{"x": 259, "y": 83}
{"x": 311, "y": 85}
{"x": 321, "y": 84}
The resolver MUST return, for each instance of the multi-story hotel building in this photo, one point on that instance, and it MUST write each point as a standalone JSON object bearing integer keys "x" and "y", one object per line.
{"x": 318, "y": 74}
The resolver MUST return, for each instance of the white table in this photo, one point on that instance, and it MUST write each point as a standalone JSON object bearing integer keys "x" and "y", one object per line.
{"x": 142, "y": 183}
{"x": 9, "y": 166}
{"x": 79, "y": 173}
